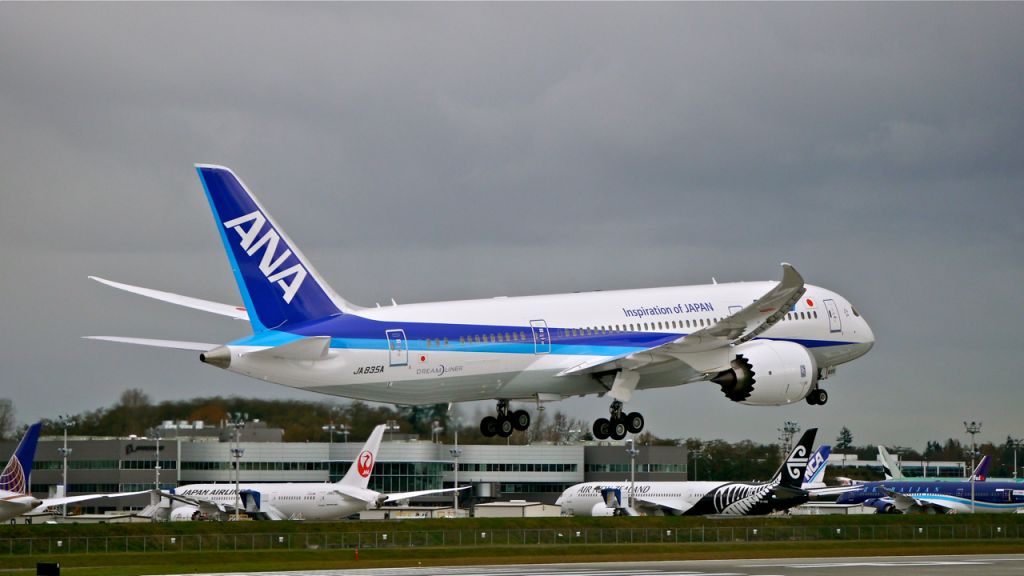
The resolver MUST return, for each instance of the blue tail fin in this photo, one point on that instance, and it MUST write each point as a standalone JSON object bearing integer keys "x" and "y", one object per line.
{"x": 816, "y": 465}
{"x": 15, "y": 476}
{"x": 278, "y": 284}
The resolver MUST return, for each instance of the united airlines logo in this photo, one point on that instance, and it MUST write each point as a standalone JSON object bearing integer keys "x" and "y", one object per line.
{"x": 797, "y": 460}
{"x": 13, "y": 477}
{"x": 290, "y": 279}
{"x": 364, "y": 464}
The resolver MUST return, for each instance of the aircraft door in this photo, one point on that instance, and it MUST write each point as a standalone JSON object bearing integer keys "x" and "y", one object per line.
{"x": 398, "y": 347}
{"x": 541, "y": 337}
{"x": 834, "y": 323}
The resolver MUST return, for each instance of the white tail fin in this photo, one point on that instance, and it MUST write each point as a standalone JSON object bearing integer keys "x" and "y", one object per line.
{"x": 358, "y": 474}
{"x": 890, "y": 468}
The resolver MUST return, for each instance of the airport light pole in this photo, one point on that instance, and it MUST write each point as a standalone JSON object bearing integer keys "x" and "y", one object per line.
{"x": 156, "y": 436}
{"x": 392, "y": 426}
{"x": 973, "y": 428}
{"x": 789, "y": 428}
{"x": 632, "y": 451}
{"x": 237, "y": 422}
{"x": 1015, "y": 442}
{"x": 456, "y": 452}
{"x": 66, "y": 422}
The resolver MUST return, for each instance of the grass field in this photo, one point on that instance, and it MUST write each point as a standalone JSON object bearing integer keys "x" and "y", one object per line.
{"x": 262, "y": 547}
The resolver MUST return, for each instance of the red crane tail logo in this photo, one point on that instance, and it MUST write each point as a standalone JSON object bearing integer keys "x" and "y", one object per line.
{"x": 364, "y": 464}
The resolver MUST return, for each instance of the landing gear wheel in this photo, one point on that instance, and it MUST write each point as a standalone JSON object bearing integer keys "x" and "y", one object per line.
{"x": 634, "y": 422}
{"x": 505, "y": 427}
{"x": 602, "y": 428}
{"x": 618, "y": 430}
{"x": 489, "y": 426}
{"x": 521, "y": 420}
{"x": 817, "y": 397}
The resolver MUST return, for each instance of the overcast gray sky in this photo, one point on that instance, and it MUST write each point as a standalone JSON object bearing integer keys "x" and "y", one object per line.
{"x": 447, "y": 151}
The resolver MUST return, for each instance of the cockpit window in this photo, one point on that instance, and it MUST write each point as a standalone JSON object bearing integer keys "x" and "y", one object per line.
{"x": 854, "y": 308}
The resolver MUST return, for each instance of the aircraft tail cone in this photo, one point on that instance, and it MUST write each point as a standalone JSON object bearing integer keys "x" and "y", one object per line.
{"x": 219, "y": 357}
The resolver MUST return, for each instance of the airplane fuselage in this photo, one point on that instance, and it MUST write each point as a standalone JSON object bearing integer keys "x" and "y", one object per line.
{"x": 949, "y": 496}
{"x": 679, "y": 498}
{"x": 298, "y": 501}
{"x": 514, "y": 347}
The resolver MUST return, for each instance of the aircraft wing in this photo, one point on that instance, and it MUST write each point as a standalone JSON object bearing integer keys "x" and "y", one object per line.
{"x": 905, "y": 502}
{"x": 670, "y": 505}
{"x": 737, "y": 328}
{"x": 48, "y": 503}
{"x": 236, "y": 312}
{"x": 407, "y": 495}
{"x": 834, "y": 490}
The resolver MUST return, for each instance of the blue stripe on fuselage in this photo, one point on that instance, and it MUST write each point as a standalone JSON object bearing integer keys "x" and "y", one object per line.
{"x": 355, "y": 332}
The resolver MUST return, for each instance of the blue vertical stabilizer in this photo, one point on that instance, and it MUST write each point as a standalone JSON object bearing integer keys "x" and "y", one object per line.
{"x": 15, "y": 477}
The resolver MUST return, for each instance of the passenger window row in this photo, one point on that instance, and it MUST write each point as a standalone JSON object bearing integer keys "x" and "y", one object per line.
{"x": 601, "y": 330}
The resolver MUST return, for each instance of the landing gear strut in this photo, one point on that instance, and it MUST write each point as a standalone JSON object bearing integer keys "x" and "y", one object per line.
{"x": 505, "y": 422}
{"x": 618, "y": 424}
{"x": 817, "y": 397}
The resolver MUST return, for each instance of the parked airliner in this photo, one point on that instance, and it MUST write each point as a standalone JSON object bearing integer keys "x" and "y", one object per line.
{"x": 764, "y": 343}
{"x": 691, "y": 498}
{"x": 15, "y": 497}
{"x": 284, "y": 501}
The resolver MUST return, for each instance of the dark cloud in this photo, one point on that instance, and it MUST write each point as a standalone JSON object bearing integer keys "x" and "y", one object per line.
{"x": 442, "y": 151}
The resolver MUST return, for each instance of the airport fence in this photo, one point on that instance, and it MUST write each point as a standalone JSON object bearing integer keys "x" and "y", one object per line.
{"x": 498, "y": 537}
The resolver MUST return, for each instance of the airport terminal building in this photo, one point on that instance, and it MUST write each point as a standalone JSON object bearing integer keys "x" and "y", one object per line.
{"x": 189, "y": 453}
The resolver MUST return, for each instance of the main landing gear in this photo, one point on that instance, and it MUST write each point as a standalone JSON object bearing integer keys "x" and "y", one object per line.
{"x": 817, "y": 397}
{"x": 618, "y": 425}
{"x": 505, "y": 422}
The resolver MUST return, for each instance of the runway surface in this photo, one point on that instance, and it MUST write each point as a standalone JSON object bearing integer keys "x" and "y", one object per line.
{"x": 988, "y": 565}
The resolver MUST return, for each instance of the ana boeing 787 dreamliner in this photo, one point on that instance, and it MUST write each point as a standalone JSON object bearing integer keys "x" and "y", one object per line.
{"x": 764, "y": 343}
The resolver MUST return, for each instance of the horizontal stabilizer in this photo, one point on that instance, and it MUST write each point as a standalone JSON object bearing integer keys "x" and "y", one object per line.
{"x": 175, "y": 344}
{"x": 311, "y": 348}
{"x": 236, "y": 312}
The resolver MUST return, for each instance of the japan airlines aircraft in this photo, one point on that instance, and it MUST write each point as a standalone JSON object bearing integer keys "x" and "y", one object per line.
{"x": 782, "y": 492}
{"x": 15, "y": 498}
{"x": 285, "y": 501}
{"x": 764, "y": 343}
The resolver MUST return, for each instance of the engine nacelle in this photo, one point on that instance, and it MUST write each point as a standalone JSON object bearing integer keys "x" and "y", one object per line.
{"x": 600, "y": 509}
{"x": 185, "y": 514}
{"x": 881, "y": 506}
{"x": 769, "y": 373}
